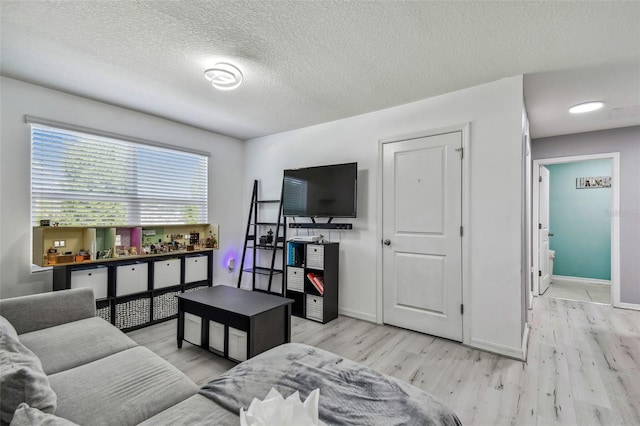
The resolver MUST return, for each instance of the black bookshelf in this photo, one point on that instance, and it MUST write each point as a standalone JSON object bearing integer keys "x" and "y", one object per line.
{"x": 307, "y": 261}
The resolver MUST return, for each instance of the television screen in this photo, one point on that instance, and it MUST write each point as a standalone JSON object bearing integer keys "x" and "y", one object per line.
{"x": 325, "y": 191}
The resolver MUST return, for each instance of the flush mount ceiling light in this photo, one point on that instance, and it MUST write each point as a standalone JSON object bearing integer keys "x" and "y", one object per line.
{"x": 224, "y": 76}
{"x": 586, "y": 107}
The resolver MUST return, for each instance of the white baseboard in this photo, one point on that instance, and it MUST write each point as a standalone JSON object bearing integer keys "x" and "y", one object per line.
{"x": 580, "y": 279}
{"x": 631, "y": 306}
{"x": 358, "y": 315}
{"x": 525, "y": 341}
{"x": 515, "y": 353}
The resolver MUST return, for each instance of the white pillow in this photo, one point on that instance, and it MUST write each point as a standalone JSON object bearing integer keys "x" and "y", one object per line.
{"x": 22, "y": 379}
{"x": 7, "y": 328}
{"x": 29, "y": 416}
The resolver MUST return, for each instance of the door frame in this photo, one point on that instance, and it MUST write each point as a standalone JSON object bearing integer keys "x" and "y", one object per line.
{"x": 540, "y": 277}
{"x": 615, "y": 218}
{"x": 464, "y": 128}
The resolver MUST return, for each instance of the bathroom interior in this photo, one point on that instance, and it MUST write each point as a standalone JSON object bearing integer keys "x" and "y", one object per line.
{"x": 580, "y": 231}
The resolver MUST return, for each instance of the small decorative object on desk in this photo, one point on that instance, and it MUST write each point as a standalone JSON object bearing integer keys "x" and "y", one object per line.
{"x": 267, "y": 239}
{"x": 212, "y": 242}
{"x": 274, "y": 410}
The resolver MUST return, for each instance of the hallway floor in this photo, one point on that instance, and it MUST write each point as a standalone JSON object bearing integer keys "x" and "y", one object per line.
{"x": 581, "y": 291}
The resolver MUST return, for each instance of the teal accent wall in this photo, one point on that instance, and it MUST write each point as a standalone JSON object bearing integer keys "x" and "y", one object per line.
{"x": 580, "y": 221}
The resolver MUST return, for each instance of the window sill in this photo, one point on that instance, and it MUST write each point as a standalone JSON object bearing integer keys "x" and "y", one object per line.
{"x": 36, "y": 269}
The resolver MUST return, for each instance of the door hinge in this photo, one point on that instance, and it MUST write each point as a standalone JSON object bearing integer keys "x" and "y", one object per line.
{"x": 461, "y": 309}
{"x": 461, "y": 151}
{"x": 539, "y": 226}
{"x": 539, "y": 273}
{"x": 461, "y": 231}
{"x": 539, "y": 178}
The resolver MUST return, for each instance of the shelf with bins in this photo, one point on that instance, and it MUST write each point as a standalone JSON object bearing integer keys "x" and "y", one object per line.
{"x": 69, "y": 244}
{"x": 136, "y": 291}
{"x": 308, "y": 262}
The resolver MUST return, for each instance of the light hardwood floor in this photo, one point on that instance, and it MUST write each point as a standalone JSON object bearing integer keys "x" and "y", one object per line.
{"x": 583, "y": 291}
{"x": 583, "y": 366}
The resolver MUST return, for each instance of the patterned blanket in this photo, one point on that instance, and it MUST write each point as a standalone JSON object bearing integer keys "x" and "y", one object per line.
{"x": 350, "y": 393}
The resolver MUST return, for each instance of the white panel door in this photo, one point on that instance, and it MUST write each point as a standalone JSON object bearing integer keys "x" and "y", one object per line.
{"x": 422, "y": 252}
{"x": 543, "y": 231}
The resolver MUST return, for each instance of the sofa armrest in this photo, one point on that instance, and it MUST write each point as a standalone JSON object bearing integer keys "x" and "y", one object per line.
{"x": 38, "y": 311}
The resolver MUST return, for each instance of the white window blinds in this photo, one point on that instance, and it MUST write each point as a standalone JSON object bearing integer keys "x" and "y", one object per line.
{"x": 79, "y": 179}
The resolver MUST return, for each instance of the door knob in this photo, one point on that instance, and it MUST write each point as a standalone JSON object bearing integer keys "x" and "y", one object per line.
{"x": 387, "y": 242}
{"x": 551, "y": 234}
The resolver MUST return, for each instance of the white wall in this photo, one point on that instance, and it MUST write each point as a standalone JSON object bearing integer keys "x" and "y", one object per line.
{"x": 494, "y": 288}
{"x": 493, "y": 317}
{"x": 18, "y": 99}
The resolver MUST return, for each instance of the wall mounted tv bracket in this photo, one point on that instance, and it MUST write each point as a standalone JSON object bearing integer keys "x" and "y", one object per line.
{"x": 315, "y": 225}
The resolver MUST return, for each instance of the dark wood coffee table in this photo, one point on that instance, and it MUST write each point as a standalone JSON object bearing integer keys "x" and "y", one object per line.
{"x": 264, "y": 317}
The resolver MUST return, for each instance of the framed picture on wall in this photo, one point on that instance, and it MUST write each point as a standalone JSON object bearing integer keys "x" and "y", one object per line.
{"x": 593, "y": 182}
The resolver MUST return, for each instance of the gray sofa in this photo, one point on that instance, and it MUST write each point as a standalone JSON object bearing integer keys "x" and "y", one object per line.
{"x": 62, "y": 365}
{"x": 97, "y": 374}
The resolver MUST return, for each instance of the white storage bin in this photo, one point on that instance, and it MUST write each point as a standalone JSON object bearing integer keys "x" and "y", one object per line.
{"x": 132, "y": 278}
{"x": 94, "y": 278}
{"x": 314, "y": 307}
{"x": 216, "y": 336}
{"x": 237, "y": 344}
{"x": 295, "y": 279}
{"x": 315, "y": 256}
{"x": 195, "y": 269}
{"x": 166, "y": 273}
{"x": 193, "y": 329}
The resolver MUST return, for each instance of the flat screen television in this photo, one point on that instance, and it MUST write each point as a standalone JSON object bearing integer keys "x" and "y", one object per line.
{"x": 324, "y": 191}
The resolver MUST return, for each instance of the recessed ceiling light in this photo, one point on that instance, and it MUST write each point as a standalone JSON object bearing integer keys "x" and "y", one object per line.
{"x": 586, "y": 107}
{"x": 224, "y": 76}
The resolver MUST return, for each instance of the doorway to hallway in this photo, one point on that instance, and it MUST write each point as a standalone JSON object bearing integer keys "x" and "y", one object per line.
{"x": 577, "y": 250}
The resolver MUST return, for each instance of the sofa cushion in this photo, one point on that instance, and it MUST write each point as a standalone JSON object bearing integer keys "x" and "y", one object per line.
{"x": 122, "y": 389}
{"x": 44, "y": 310}
{"x": 197, "y": 410}
{"x": 7, "y": 328}
{"x": 76, "y": 343}
{"x": 22, "y": 380}
{"x": 29, "y": 416}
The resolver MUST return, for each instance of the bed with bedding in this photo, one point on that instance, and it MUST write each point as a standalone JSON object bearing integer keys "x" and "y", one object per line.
{"x": 350, "y": 393}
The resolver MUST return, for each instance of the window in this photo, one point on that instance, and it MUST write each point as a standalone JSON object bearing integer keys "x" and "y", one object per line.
{"x": 82, "y": 179}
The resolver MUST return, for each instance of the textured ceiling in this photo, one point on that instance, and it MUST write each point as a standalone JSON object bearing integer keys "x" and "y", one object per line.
{"x": 311, "y": 62}
{"x": 549, "y": 94}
